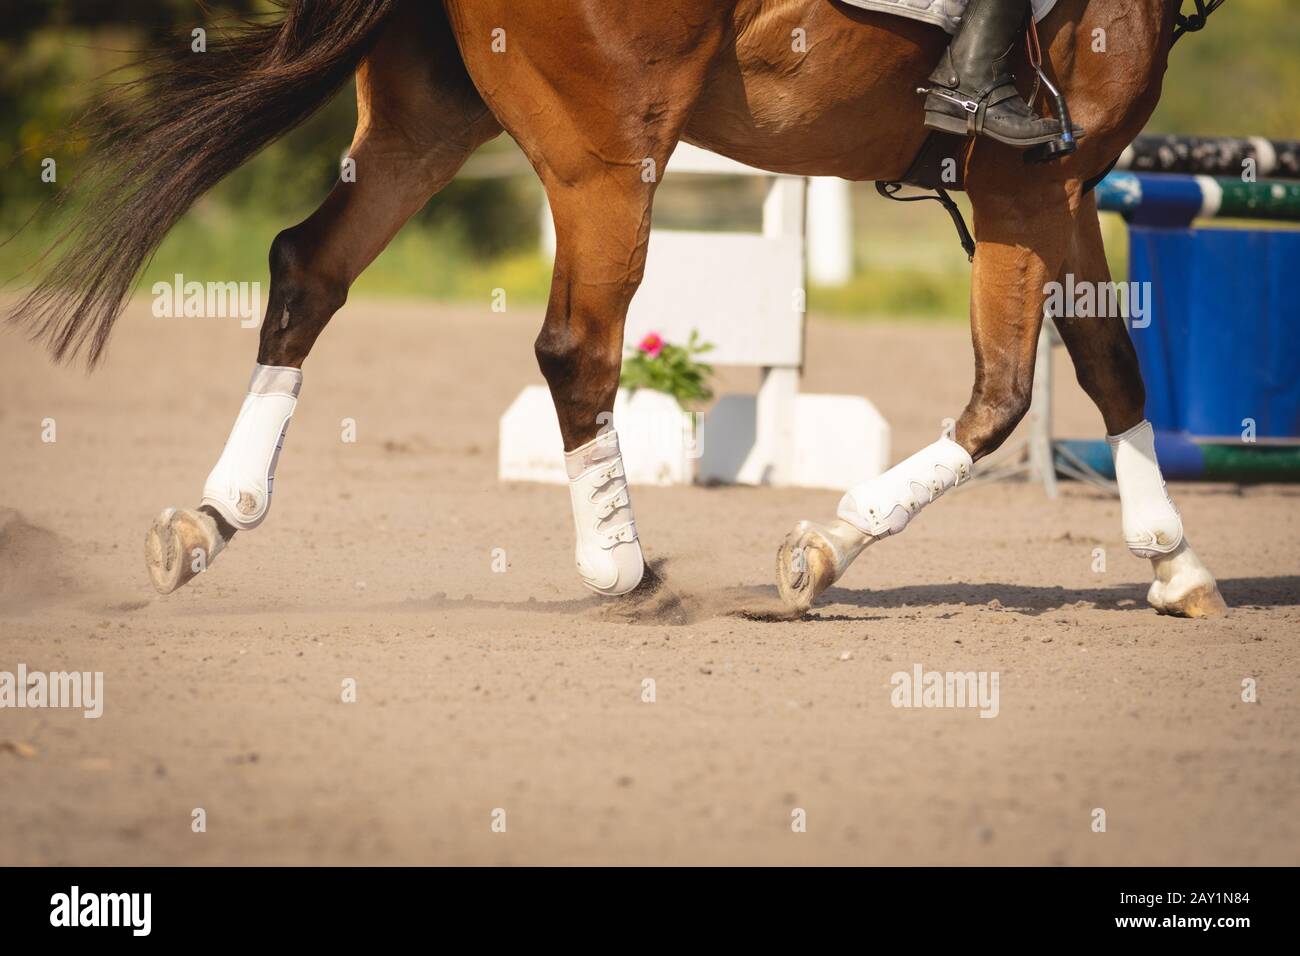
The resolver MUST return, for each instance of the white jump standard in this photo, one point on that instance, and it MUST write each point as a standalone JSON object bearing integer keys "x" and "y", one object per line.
{"x": 743, "y": 292}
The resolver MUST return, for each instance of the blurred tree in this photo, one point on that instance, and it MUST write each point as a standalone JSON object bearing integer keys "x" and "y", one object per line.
{"x": 1240, "y": 76}
{"x": 54, "y": 55}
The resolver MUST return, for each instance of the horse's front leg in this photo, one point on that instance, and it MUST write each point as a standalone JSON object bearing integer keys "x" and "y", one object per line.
{"x": 1022, "y": 231}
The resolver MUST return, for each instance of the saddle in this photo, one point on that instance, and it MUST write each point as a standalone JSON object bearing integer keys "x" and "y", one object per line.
{"x": 940, "y": 163}
{"x": 942, "y": 13}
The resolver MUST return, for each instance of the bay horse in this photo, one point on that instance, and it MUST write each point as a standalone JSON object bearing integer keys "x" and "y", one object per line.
{"x": 593, "y": 91}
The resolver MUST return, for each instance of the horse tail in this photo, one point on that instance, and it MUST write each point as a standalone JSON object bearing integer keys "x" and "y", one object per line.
{"x": 161, "y": 142}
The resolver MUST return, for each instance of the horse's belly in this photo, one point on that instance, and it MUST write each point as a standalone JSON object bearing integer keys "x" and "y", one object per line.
{"x": 815, "y": 88}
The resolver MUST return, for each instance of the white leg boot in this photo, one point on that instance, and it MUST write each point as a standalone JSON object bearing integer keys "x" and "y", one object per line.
{"x": 183, "y": 542}
{"x": 1183, "y": 586}
{"x": 239, "y": 487}
{"x": 884, "y": 505}
{"x": 608, "y": 553}
{"x": 815, "y": 555}
{"x": 1152, "y": 525}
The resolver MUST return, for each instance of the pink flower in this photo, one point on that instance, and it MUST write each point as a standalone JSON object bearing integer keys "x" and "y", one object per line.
{"x": 652, "y": 345}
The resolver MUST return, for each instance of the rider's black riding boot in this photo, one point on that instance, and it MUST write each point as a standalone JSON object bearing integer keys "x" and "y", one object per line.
{"x": 972, "y": 93}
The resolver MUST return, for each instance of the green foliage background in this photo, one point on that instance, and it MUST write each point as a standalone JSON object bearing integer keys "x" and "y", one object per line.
{"x": 1241, "y": 76}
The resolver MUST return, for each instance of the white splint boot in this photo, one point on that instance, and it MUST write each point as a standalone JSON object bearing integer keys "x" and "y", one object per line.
{"x": 814, "y": 556}
{"x": 608, "y": 554}
{"x": 1183, "y": 585}
{"x": 239, "y": 487}
{"x": 883, "y": 505}
{"x": 1152, "y": 526}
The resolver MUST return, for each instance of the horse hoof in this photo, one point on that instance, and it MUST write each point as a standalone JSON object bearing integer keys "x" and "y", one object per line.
{"x": 180, "y": 544}
{"x": 812, "y": 558}
{"x": 1202, "y": 600}
{"x": 1184, "y": 587}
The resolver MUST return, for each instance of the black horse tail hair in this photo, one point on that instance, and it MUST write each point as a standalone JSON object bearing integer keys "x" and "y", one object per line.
{"x": 160, "y": 142}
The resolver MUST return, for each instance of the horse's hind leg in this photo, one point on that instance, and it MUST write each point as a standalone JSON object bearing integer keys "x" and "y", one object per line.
{"x": 1107, "y": 368}
{"x": 419, "y": 118}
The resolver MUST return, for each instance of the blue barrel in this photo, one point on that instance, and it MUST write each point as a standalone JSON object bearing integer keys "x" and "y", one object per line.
{"x": 1223, "y": 344}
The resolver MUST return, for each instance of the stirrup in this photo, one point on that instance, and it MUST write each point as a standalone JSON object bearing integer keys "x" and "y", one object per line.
{"x": 1066, "y": 143}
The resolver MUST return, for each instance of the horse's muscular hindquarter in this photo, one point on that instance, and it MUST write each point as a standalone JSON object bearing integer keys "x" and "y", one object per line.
{"x": 418, "y": 120}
